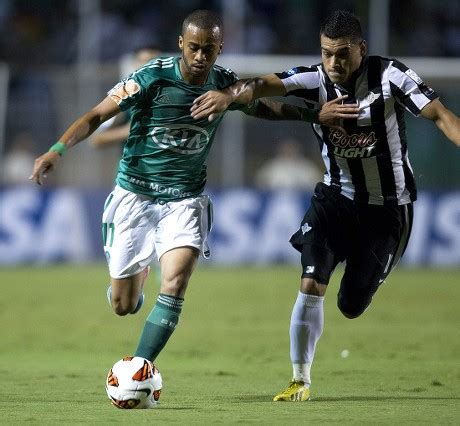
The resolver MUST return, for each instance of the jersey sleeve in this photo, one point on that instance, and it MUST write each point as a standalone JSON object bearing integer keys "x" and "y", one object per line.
{"x": 302, "y": 82}
{"x": 133, "y": 88}
{"x": 408, "y": 88}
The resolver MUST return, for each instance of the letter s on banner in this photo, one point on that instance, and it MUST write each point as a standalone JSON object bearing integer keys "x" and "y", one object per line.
{"x": 18, "y": 229}
{"x": 233, "y": 238}
{"x": 64, "y": 233}
{"x": 446, "y": 248}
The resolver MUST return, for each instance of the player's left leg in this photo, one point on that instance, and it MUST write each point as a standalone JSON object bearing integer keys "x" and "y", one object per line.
{"x": 176, "y": 268}
{"x": 181, "y": 236}
{"x": 376, "y": 249}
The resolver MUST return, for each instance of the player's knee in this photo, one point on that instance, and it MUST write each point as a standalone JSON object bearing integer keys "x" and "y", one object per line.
{"x": 312, "y": 286}
{"x": 121, "y": 310}
{"x": 122, "y": 307}
{"x": 351, "y": 308}
{"x": 350, "y": 315}
{"x": 175, "y": 285}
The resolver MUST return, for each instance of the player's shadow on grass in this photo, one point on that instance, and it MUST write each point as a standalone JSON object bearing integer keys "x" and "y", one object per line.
{"x": 269, "y": 398}
{"x": 253, "y": 398}
{"x": 166, "y": 408}
{"x": 383, "y": 398}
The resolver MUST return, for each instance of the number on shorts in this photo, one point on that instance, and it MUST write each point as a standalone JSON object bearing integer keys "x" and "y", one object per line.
{"x": 108, "y": 231}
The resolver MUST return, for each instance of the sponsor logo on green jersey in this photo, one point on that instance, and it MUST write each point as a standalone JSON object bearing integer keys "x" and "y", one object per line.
{"x": 181, "y": 138}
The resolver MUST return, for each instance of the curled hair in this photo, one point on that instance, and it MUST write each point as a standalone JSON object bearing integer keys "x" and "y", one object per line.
{"x": 340, "y": 24}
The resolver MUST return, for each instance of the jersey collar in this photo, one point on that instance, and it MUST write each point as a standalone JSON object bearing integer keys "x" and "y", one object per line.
{"x": 350, "y": 87}
{"x": 181, "y": 78}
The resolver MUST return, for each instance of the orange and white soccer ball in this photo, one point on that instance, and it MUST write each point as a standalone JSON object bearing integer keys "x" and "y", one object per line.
{"x": 134, "y": 382}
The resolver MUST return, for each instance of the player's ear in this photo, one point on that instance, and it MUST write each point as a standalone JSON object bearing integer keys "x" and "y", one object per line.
{"x": 221, "y": 46}
{"x": 181, "y": 42}
{"x": 363, "y": 48}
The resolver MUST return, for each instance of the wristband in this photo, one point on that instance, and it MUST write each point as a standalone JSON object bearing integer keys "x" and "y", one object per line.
{"x": 59, "y": 147}
{"x": 310, "y": 115}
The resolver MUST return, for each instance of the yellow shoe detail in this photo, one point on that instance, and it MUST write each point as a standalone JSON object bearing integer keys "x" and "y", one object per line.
{"x": 295, "y": 392}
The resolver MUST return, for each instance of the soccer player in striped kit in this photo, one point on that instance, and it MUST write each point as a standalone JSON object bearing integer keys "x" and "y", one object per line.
{"x": 361, "y": 213}
{"x": 157, "y": 208}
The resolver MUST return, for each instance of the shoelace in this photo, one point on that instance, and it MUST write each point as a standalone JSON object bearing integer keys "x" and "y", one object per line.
{"x": 292, "y": 384}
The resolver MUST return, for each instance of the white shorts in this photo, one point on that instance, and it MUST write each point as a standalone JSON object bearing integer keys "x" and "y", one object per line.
{"x": 135, "y": 228}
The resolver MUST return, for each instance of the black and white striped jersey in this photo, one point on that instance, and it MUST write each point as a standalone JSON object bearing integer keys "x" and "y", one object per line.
{"x": 370, "y": 164}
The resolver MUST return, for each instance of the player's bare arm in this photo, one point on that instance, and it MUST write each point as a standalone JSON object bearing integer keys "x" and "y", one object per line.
{"x": 78, "y": 131}
{"x": 242, "y": 92}
{"x": 445, "y": 119}
{"x": 329, "y": 115}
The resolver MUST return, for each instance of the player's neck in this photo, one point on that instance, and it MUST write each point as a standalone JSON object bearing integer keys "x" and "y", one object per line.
{"x": 350, "y": 84}
{"x": 189, "y": 78}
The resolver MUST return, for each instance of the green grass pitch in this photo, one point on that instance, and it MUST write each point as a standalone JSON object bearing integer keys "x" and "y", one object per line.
{"x": 230, "y": 353}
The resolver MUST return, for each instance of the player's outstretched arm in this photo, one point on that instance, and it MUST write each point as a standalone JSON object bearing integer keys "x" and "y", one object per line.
{"x": 445, "y": 119}
{"x": 330, "y": 114}
{"x": 242, "y": 92}
{"x": 79, "y": 130}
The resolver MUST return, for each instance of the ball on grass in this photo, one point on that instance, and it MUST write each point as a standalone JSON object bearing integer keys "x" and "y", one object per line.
{"x": 345, "y": 353}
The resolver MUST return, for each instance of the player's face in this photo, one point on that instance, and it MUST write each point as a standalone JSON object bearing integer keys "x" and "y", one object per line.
{"x": 200, "y": 49}
{"x": 341, "y": 57}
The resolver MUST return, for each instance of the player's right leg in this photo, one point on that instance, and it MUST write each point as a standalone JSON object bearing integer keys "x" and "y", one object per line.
{"x": 306, "y": 327}
{"x": 128, "y": 227}
{"x": 307, "y": 319}
{"x": 126, "y": 295}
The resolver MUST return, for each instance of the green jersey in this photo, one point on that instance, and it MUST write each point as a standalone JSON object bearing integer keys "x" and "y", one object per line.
{"x": 165, "y": 154}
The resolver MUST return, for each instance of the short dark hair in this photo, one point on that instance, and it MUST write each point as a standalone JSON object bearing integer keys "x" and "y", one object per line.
{"x": 342, "y": 23}
{"x": 204, "y": 19}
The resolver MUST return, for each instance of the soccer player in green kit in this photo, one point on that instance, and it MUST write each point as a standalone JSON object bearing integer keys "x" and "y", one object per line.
{"x": 157, "y": 207}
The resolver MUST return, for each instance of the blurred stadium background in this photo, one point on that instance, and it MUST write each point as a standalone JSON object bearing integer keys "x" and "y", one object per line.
{"x": 59, "y": 57}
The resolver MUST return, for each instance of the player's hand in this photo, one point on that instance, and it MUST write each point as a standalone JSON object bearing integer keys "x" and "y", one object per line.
{"x": 334, "y": 111}
{"x": 44, "y": 164}
{"x": 210, "y": 105}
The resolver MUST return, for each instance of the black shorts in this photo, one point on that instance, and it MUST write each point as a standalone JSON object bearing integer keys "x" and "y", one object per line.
{"x": 369, "y": 238}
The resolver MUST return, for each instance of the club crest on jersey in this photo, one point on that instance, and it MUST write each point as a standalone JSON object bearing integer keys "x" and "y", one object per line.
{"x": 372, "y": 97}
{"x": 181, "y": 138}
{"x": 356, "y": 145}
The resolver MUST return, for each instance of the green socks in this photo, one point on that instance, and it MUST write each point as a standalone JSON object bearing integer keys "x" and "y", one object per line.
{"x": 159, "y": 326}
